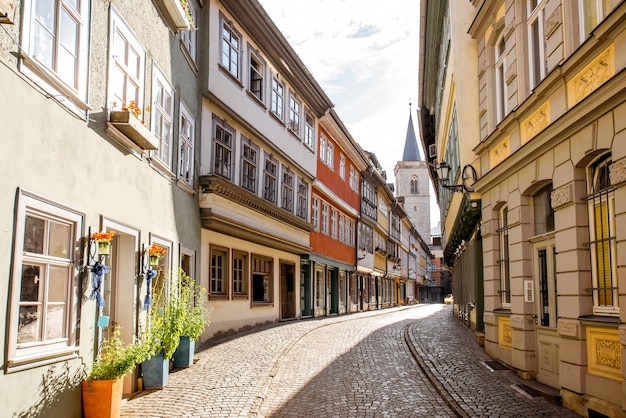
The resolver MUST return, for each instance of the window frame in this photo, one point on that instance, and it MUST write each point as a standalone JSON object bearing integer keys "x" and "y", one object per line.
{"x": 610, "y": 240}
{"x": 342, "y": 167}
{"x": 256, "y": 261}
{"x": 270, "y": 179}
{"x": 223, "y": 146}
{"x": 601, "y": 11}
{"x": 505, "y": 257}
{"x": 500, "y": 80}
{"x": 277, "y": 102}
{"x": 254, "y": 56}
{"x": 43, "y": 352}
{"x": 49, "y": 78}
{"x": 309, "y": 130}
{"x": 537, "y": 63}
{"x": 165, "y": 112}
{"x": 118, "y": 24}
{"x": 214, "y": 292}
{"x": 233, "y": 67}
{"x": 287, "y": 189}
{"x": 295, "y": 110}
{"x": 249, "y": 167}
{"x": 333, "y": 223}
{"x": 316, "y": 203}
{"x": 186, "y": 145}
{"x": 245, "y": 274}
{"x": 325, "y": 218}
{"x": 303, "y": 199}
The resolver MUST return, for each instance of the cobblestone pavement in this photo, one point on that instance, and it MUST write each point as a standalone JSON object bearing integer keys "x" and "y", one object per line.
{"x": 358, "y": 365}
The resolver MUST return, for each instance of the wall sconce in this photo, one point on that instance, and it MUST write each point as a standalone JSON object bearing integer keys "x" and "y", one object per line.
{"x": 363, "y": 252}
{"x": 468, "y": 176}
{"x": 396, "y": 267}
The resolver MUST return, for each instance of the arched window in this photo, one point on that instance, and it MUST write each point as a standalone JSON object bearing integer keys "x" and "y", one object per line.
{"x": 542, "y": 211}
{"x": 603, "y": 246}
{"x": 414, "y": 185}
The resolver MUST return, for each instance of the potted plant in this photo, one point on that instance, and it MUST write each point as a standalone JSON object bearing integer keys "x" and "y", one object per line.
{"x": 164, "y": 327}
{"x": 195, "y": 317}
{"x": 102, "y": 388}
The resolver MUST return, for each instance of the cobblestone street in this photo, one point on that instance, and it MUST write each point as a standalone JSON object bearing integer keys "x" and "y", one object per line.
{"x": 400, "y": 362}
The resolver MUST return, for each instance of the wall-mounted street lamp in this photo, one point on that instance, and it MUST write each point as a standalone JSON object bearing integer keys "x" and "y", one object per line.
{"x": 363, "y": 252}
{"x": 469, "y": 177}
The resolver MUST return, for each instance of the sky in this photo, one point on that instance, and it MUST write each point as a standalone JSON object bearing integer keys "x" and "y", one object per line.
{"x": 365, "y": 55}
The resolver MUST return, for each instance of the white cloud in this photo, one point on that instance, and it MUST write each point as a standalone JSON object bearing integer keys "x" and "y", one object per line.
{"x": 365, "y": 55}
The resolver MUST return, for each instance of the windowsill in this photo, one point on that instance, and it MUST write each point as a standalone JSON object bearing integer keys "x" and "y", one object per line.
{"x": 262, "y": 304}
{"x": 295, "y": 134}
{"x": 161, "y": 167}
{"x": 176, "y": 13}
{"x": 277, "y": 118}
{"x": 186, "y": 187}
{"x": 18, "y": 364}
{"x": 230, "y": 75}
{"x": 189, "y": 58}
{"x": 49, "y": 78}
{"x": 240, "y": 297}
{"x": 502, "y": 311}
{"x": 600, "y": 318}
{"x": 216, "y": 296}
{"x": 256, "y": 99}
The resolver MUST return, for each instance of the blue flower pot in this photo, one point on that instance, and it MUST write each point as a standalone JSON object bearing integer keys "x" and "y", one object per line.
{"x": 183, "y": 356}
{"x": 155, "y": 371}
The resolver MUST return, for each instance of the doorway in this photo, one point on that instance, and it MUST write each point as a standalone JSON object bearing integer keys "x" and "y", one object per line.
{"x": 287, "y": 291}
{"x": 546, "y": 313}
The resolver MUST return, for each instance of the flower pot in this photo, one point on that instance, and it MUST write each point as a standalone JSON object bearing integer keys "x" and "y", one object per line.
{"x": 183, "y": 356}
{"x": 154, "y": 260}
{"x": 102, "y": 398}
{"x": 104, "y": 247}
{"x": 155, "y": 371}
{"x": 132, "y": 128}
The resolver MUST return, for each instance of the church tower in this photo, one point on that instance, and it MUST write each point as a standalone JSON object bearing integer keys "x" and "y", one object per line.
{"x": 412, "y": 183}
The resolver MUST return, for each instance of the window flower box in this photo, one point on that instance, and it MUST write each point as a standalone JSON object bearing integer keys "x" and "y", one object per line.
{"x": 136, "y": 131}
{"x": 176, "y": 12}
{"x": 7, "y": 11}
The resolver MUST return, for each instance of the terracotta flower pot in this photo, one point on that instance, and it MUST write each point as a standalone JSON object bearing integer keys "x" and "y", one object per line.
{"x": 102, "y": 398}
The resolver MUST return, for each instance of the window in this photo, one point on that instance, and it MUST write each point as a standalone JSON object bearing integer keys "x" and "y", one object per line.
{"x": 219, "y": 271}
{"x": 536, "y": 42}
{"x": 257, "y": 76}
{"x": 342, "y": 288}
{"x": 543, "y": 213}
{"x": 126, "y": 66}
{"x": 294, "y": 114}
{"x": 603, "y": 245}
{"x": 342, "y": 228}
{"x": 592, "y": 12}
{"x": 240, "y": 274}
{"x": 350, "y": 228}
{"x": 303, "y": 198}
{"x": 44, "y": 296}
{"x": 162, "y": 114}
{"x": 342, "y": 167}
{"x": 249, "y": 163}
{"x": 354, "y": 179}
{"x": 278, "y": 97}
{"x": 287, "y": 189}
{"x": 319, "y": 288}
{"x": 186, "y": 145}
{"x": 505, "y": 272}
{"x": 500, "y": 52}
{"x": 333, "y": 224}
{"x": 315, "y": 213}
{"x": 309, "y": 130}
{"x": 330, "y": 155}
{"x": 414, "y": 185}
{"x": 188, "y": 37}
{"x": 271, "y": 173}
{"x": 369, "y": 200}
{"x": 325, "y": 214}
{"x": 187, "y": 259}
{"x": 323, "y": 148}
{"x": 230, "y": 48}
{"x": 262, "y": 283}
{"x": 56, "y": 38}
{"x": 395, "y": 226}
{"x": 223, "y": 152}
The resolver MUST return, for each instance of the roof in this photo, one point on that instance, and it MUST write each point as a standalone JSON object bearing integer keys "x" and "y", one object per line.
{"x": 411, "y": 151}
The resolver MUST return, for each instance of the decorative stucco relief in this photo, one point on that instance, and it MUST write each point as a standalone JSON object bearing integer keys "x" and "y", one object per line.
{"x": 536, "y": 122}
{"x": 604, "y": 353}
{"x": 562, "y": 196}
{"x": 499, "y": 152}
{"x": 592, "y": 76}
{"x": 617, "y": 171}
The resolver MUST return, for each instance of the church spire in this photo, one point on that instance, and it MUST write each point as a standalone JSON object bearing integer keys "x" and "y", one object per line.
{"x": 411, "y": 152}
